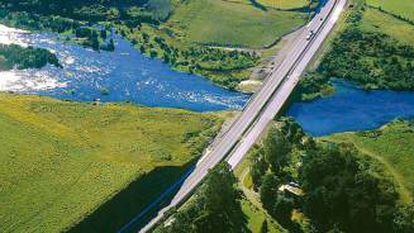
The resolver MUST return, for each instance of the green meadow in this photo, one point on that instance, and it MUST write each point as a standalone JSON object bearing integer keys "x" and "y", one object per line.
{"x": 377, "y": 21}
{"x": 404, "y": 8}
{"x": 285, "y": 4}
{"x": 60, "y": 161}
{"x": 392, "y": 146}
{"x": 233, "y": 23}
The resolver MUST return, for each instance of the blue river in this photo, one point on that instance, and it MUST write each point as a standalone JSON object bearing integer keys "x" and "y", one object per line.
{"x": 122, "y": 75}
{"x": 127, "y": 75}
{"x": 352, "y": 108}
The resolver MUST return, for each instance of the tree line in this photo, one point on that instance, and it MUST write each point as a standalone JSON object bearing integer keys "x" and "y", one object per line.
{"x": 95, "y": 10}
{"x": 224, "y": 67}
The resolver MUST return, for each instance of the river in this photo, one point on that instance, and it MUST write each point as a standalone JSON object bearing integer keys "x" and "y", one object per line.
{"x": 122, "y": 75}
{"x": 352, "y": 109}
{"x": 127, "y": 75}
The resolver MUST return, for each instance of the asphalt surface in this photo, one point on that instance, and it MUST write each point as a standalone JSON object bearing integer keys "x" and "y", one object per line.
{"x": 287, "y": 85}
{"x": 263, "y": 106}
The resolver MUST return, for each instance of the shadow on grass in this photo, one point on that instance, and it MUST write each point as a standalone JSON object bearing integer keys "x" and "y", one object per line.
{"x": 307, "y": 9}
{"x": 258, "y": 5}
{"x": 304, "y": 9}
{"x": 126, "y": 206}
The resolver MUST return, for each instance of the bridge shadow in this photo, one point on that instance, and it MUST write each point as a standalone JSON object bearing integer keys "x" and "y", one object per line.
{"x": 138, "y": 203}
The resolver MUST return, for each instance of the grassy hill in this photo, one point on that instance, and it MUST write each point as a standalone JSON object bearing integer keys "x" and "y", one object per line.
{"x": 59, "y": 161}
{"x": 404, "y": 8}
{"x": 234, "y": 23}
{"x": 392, "y": 146}
{"x": 380, "y": 22}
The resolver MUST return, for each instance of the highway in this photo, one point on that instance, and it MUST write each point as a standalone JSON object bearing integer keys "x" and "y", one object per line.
{"x": 286, "y": 87}
{"x": 235, "y": 142}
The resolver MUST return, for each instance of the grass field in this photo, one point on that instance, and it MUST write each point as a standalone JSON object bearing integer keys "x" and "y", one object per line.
{"x": 285, "y": 4}
{"x": 59, "y": 161}
{"x": 232, "y": 23}
{"x": 374, "y": 20}
{"x": 393, "y": 146}
{"x": 403, "y": 8}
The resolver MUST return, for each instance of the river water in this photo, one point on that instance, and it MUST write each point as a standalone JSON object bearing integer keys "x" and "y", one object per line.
{"x": 122, "y": 75}
{"x": 127, "y": 75}
{"x": 352, "y": 109}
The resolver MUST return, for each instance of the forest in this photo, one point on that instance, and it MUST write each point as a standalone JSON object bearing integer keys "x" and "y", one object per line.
{"x": 340, "y": 189}
{"x": 333, "y": 186}
{"x": 90, "y": 10}
{"x": 215, "y": 208}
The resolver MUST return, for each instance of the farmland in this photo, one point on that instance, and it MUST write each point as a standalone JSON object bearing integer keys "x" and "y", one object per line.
{"x": 62, "y": 160}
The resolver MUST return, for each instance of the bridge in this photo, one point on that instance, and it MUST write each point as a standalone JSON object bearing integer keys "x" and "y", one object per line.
{"x": 234, "y": 143}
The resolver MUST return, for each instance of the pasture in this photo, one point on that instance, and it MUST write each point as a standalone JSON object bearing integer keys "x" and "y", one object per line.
{"x": 377, "y": 21}
{"x": 60, "y": 161}
{"x": 232, "y": 23}
{"x": 404, "y": 8}
{"x": 285, "y": 4}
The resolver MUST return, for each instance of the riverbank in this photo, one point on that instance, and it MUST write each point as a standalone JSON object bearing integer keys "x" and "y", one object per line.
{"x": 194, "y": 45}
{"x": 368, "y": 51}
{"x": 119, "y": 76}
{"x": 362, "y": 78}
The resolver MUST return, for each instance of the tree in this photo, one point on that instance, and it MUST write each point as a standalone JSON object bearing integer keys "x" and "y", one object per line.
{"x": 268, "y": 190}
{"x": 404, "y": 219}
{"x": 276, "y": 149}
{"x": 111, "y": 45}
{"x": 292, "y": 130}
{"x": 282, "y": 209}
{"x": 342, "y": 192}
{"x": 153, "y": 53}
{"x": 258, "y": 167}
{"x": 216, "y": 207}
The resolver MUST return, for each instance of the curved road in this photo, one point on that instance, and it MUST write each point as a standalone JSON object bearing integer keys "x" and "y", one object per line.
{"x": 263, "y": 106}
